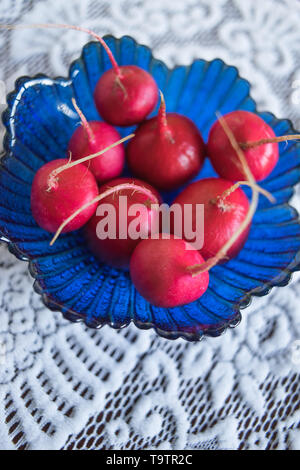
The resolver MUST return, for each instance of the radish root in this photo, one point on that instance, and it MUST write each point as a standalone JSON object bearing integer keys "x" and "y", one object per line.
{"x": 272, "y": 140}
{"x": 52, "y": 179}
{"x": 108, "y": 192}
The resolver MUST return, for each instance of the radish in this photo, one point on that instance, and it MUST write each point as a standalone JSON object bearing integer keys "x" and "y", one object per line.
{"x": 91, "y": 137}
{"x": 254, "y": 136}
{"x": 159, "y": 272}
{"x": 116, "y": 252}
{"x": 60, "y": 188}
{"x": 53, "y": 200}
{"x": 225, "y": 207}
{"x": 125, "y": 94}
{"x": 245, "y": 126}
{"x": 167, "y": 150}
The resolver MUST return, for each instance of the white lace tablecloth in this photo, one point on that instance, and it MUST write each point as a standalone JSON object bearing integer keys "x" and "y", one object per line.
{"x": 65, "y": 386}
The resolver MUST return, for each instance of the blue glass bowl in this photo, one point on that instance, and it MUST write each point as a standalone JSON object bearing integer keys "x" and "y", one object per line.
{"x": 39, "y": 122}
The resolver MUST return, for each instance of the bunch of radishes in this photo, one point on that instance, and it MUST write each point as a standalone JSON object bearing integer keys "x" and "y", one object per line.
{"x": 166, "y": 152}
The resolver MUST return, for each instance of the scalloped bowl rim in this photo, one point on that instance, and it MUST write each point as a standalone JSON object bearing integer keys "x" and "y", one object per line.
{"x": 70, "y": 315}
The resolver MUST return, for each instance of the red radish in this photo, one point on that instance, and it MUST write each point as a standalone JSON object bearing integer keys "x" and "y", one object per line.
{"x": 246, "y": 127}
{"x": 116, "y": 252}
{"x": 167, "y": 150}
{"x": 225, "y": 207}
{"x": 159, "y": 271}
{"x": 54, "y": 199}
{"x": 91, "y": 137}
{"x": 124, "y": 95}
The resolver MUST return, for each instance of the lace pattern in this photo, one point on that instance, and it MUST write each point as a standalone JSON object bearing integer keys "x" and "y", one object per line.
{"x": 65, "y": 386}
